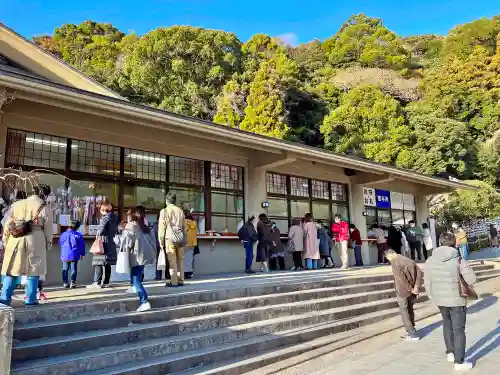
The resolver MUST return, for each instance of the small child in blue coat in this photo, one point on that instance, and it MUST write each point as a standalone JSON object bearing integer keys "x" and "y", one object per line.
{"x": 72, "y": 250}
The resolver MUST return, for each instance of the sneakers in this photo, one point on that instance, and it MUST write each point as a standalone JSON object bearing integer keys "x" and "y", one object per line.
{"x": 466, "y": 366}
{"x": 344, "y": 268}
{"x": 144, "y": 307}
{"x": 250, "y": 272}
{"x": 94, "y": 286}
{"x": 72, "y": 286}
{"x": 450, "y": 357}
{"x": 66, "y": 286}
{"x": 131, "y": 290}
{"x": 412, "y": 337}
{"x": 42, "y": 296}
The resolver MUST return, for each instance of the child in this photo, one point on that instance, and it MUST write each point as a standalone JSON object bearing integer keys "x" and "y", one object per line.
{"x": 72, "y": 250}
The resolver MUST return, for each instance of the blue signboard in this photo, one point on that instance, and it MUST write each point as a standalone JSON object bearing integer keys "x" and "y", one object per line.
{"x": 383, "y": 198}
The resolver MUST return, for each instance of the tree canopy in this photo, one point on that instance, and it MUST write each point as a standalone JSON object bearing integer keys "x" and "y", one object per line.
{"x": 425, "y": 102}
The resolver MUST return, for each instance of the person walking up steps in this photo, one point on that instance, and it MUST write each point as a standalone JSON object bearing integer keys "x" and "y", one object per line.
{"x": 443, "y": 286}
{"x": 408, "y": 279}
{"x": 172, "y": 238}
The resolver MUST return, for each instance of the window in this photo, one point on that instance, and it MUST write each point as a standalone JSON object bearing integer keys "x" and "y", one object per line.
{"x": 95, "y": 158}
{"x": 397, "y": 217}
{"x": 86, "y": 199}
{"x": 276, "y": 184}
{"x": 321, "y": 211}
{"x": 145, "y": 165}
{"x": 186, "y": 171}
{"x": 320, "y": 189}
{"x": 25, "y": 149}
{"x": 151, "y": 198}
{"x": 226, "y": 177}
{"x": 278, "y": 207}
{"x": 384, "y": 218}
{"x": 299, "y": 208}
{"x": 227, "y": 203}
{"x": 339, "y": 192}
{"x": 193, "y": 200}
{"x": 409, "y": 215}
{"x": 341, "y": 209}
{"x": 371, "y": 216}
{"x": 299, "y": 186}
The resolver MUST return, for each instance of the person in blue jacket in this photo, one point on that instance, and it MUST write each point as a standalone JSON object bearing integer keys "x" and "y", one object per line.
{"x": 72, "y": 250}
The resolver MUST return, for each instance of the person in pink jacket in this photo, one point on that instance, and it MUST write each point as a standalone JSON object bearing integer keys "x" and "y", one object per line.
{"x": 340, "y": 228}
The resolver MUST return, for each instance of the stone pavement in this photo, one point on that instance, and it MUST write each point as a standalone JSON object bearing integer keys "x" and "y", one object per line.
{"x": 389, "y": 355}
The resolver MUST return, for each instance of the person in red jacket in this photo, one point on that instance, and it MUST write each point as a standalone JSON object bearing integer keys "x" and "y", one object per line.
{"x": 356, "y": 244}
{"x": 340, "y": 228}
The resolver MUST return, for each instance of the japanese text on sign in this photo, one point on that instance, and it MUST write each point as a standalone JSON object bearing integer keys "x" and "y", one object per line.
{"x": 369, "y": 197}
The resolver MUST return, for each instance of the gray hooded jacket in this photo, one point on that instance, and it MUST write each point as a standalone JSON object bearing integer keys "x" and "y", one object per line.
{"x": 441, "y": 277}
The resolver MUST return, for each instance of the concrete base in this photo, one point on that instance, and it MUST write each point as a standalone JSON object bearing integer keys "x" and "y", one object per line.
{"x": 6, "y": 330}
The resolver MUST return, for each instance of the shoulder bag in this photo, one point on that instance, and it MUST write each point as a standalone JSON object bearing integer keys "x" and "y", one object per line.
{"x": 26, "y": 226}
{"x": 466, "y": 290}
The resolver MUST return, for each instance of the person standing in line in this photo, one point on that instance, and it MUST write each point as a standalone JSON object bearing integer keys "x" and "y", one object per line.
{"x": 139, "y": 242}
{"x": 159, "y": 273}
{"x": 325, "y": 245}
{"x": 191, "y": 243}
{"x": 72, "y": 251}
{"x": 311, "y": 250}
{"x": 462, "y": 243}
{"x": 405, "y": 248}
{"x": 427, "y": 240}
{"x": 296, "y": 244}
{"x": 172, "y": 238}
{"x": 408, "y": 279}
{"x": 493, "y": 236}
{"x": 26, "y": 248}
{"x": 248, "y": 236}
{"x": 442, "y": 285}
{"x": 381, "y": 242}
{"x": 277, "y": 253}
{"x": 340, "y": 228}
{"x": 414, "y": 235}
{"x": 357, "y": 243}
{"x": 264, "y": 228}
{"x": 108, "y": 227}
{"x": 394, "y": 239}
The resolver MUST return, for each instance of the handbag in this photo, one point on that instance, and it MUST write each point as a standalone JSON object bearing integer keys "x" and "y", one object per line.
{"x": 97, "y": 247}
{"x": 466, "y": 290}
{"x": 26, "y": 225}
{"x": 161, "y": 264}
{"x": 290, "y": 246}
{"x": 123, "y": 262}
{"x": 178, "y": 235}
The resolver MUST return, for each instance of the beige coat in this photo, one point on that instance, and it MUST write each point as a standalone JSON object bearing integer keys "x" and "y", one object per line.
{"x": 28, "y": 255}
{"x": 311, "y": 245}
{"x": 169, "y": 216}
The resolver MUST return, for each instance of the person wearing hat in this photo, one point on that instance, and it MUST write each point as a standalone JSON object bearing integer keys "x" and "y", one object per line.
{"x": 172, "y": 238}
{"x": 28, "y": 236}
{"x": 72, "y": 250}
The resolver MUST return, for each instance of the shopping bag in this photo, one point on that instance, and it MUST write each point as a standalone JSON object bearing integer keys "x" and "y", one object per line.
{"x": 97, "y": 247}
{"x": 162, "y": 261}
{"x": 123, "y": 262}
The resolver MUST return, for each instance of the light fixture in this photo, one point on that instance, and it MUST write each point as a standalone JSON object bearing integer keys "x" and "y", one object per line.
{"x": 145, "y": 157}
{"x": 47, "y": 142}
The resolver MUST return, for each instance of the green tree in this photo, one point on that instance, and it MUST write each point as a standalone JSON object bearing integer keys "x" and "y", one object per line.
{"x": 488, "y": 160}
{"x": 368, "y": 123}
{"x": 366, "y": 41}
{"x": 265, "y": 113}
{"x": 182, "y": 68}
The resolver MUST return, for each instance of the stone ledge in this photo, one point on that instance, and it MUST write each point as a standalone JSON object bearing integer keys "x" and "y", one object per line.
{"x": 6, "y": 330}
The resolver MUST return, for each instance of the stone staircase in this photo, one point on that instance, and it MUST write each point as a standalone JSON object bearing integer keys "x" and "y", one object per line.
{"x": 197, "y": 330}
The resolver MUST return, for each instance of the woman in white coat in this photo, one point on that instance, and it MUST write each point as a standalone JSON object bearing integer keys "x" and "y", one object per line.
{"x": 427, "y": 240}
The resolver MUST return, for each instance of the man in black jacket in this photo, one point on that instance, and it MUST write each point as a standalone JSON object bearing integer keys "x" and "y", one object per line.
{"x": 248, "y": 236}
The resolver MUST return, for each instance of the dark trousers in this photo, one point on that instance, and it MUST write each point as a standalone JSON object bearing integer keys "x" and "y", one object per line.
{"x": 102, "y": 274}
{"x": 424, "y": 252}
{"x": 297, "y": 259}
{"x": 407, "y": 313}
{"x": 358, "y": 256}
{"x": 67, "y": 266}
{"x": 275, "y": 262}
{"x": 415, "y": 248}
{"x": 454, "y": 319}
{"x": 248, "y": 245}
{"x": 381, "y": 247}
{"x": 159, "y": 273}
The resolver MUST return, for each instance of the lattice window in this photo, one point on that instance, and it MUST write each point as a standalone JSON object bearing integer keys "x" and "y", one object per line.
{"x": 186, "y": 171}
{"x": 276, "y": 183}
{"x": 94, "y": 157}
{"x": 145, "y": 165}
{"x": 320, "y": 189}
{"x": 299, "y": 186}
{"x": 338, "y": 192}
{"x": 226, "y": 177}
{"x": 35, "y": 150}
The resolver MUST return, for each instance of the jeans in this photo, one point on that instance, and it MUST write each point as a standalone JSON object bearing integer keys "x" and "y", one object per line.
{"x": 136, "y": 274}
{"x": 297, "y": 259}
{"x": 407, "y": 313}
{"x": 312, "y": 264}
{"x": 357, "y": 255}
{"x": 102, "y": 274}
{"x": 464, "y": 251}
{"x": 248, "y": 246}
{"x": 454, "y": 319}
{"x": 73, "y": 266}
{"x": 415, "y": 248}
{"x": 10, "y": 283}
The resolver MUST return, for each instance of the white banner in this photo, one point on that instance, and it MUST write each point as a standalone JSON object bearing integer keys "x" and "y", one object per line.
{"x": 369, "y": 197}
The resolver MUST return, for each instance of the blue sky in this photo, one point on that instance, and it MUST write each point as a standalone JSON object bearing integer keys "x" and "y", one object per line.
{"x": 299, "y": 21}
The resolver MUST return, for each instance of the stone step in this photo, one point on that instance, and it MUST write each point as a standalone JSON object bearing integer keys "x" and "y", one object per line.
{"x": 487, "y": 273}
{"x": 57, "y": 346}
{"x": 184, "y": 296}
{"x": 34, "y": 331}
{"x": 483, "y": 267}
{"x": 153, "y": 357}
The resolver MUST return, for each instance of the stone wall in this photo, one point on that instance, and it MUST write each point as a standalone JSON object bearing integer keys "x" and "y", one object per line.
{"x": 6, "y": 329}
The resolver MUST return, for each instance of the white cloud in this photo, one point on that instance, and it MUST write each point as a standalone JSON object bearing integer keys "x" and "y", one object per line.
{"x": 290, "y": 39}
